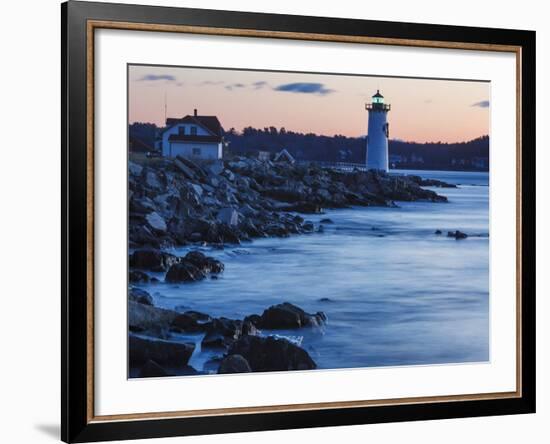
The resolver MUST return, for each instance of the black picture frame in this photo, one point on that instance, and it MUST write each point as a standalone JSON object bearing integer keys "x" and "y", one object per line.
{"x": 76, "y": 424}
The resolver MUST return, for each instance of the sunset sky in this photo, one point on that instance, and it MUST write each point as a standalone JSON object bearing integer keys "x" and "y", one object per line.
{"x": 422, "y": 110}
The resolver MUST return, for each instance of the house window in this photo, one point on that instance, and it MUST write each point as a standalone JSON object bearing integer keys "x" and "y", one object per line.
{"x": 194, "y": 131}
{"x": 181, "y": 131}
{"x": 196, "y": 151}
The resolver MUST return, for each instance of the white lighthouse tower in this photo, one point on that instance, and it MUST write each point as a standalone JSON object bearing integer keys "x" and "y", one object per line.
{"x": 379, "y": 132}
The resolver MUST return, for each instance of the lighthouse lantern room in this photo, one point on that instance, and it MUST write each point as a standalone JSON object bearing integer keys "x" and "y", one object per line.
{"x": 378, "y": 133}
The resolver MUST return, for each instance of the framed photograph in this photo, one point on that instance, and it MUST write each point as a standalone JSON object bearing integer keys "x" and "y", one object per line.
{"x": 275, "y": 221}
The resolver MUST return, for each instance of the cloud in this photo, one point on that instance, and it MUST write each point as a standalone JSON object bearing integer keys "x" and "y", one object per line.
{"x": 157, "y": 77}
{"x": 482, "y": 104}
{"x": 305, "y": 88}
{"x": 235, "y": 85}
{"x": 212, "y": 82}
{"x": 260, "y": 84}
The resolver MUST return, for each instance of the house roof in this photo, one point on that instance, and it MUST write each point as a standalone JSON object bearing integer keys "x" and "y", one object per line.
{"x": 194, "y": 138}
{"x": 284, "y": 154}
{"x": 210, "y": 123}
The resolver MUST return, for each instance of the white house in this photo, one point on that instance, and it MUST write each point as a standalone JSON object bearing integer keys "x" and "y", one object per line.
{"x": 194, "y": 137}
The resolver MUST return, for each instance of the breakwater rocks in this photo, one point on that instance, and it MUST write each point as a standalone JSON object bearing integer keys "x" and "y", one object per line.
{"x": 179, "y": 202}
{"x": 154, "y": 349}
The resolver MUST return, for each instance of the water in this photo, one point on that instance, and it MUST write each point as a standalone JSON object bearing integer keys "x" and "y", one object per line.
{"x": 398, "y": 294}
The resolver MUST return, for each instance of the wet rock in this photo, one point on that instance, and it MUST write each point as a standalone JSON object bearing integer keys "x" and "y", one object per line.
{"x": 151, "y": 259}
{"x": 147, "y": 318}
{"x": 287, "y": 316}
{"x": 156, "y": 221}
{"x": 198, "y": 316}
{"x": 184, "y": 272}
{"x": 234, "y": 364}
{"x": 185, "y": 323}
{"x": 140, "y": 296}
{"x": 438, "y": 232}
{"x": 205, "y": 263}
{"x": 457, "y": 234}
{"x": 138, "y": 276}
{"x": 271, "y": 354}
{"x": 228, "y": 216}
{"x": 166, "y": 354}
{"x": 326, "y": 221}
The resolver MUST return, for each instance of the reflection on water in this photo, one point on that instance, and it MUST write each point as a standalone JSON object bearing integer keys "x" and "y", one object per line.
{"x": 395, "y": 293}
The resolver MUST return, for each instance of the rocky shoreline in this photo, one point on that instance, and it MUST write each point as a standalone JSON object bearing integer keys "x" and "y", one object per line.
{"x": 177, "y": 202}
{"x": 240, "y": 345}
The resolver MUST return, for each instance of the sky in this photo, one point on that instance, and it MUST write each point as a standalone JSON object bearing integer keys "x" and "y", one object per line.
{"x": 422, "y": 110}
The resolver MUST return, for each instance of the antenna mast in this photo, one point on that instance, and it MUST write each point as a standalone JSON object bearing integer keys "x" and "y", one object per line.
{"x": 165, "y": 106}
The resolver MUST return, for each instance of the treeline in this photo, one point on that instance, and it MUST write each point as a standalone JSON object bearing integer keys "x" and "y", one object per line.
{"x": 471, "y": 155}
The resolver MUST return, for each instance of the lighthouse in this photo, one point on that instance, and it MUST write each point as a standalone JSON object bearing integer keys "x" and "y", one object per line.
{"x": 379, "y": 132}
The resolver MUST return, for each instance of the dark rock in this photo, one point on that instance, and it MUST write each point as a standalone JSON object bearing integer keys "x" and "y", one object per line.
{"x": 138, "y": 276}
{"x": 184, "y": 272}
{"x": 166, "y": 354}
{"x": 152, "y": 370}
{"x": 139, "y": 295}
{"x": 198, "y": 316}
{"x": 234, "y": 364}
{"x": 215, "y": 340}
{"x": 457, "y": 234}
{"x": 271, "y": 354}
{"x": 185, "y": 323}
{"x": 438, "y": 232}
{"x": 154, "y": 260}
{"x": 146, "y": 318}
{"x": 325, "y": 300}
{"x": 326, "y": 221}
{"x": 205, "y": 263}
{"x": 286, "y": 316}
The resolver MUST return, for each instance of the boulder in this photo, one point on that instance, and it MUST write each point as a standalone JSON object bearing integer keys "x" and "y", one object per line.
{"x": 228, "y": 216}
{"x": 140, "y": 296}
{"x": 167, "y": 354}
{"x": 156, "y": 221}
{"x": 271, "y": 354}
{"x": 152, "y": 259}
{"x": 326, "y": 221}
{"x": 197, "y": 189}
{"x": 185, "y": 323}
{"x": 143, "y": 317}
{"x": 198, "y": 316}
{"x": 138, "y": 276}
{"x": 205, "y": 263}
{"x": 134, "y": 169}
{"x": 288, "y": 316}
{"x": 184, "y": 272}
{"x": 457, "y": 234}
{"x": 234, "y": 364}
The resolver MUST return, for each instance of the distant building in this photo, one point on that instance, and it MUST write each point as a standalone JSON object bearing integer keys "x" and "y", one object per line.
{"x": 284, "y": 156}
{"x": 194, "y": 137}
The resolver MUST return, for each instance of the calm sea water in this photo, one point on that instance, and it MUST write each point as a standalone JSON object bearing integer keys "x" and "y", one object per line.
{"x": 395, "y": 293}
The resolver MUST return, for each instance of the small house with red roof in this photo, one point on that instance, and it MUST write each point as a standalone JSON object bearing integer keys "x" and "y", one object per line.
{"x": 193, "y": 137}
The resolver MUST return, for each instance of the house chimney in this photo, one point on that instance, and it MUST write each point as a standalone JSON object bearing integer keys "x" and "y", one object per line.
{"x": 195, "y": 112}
